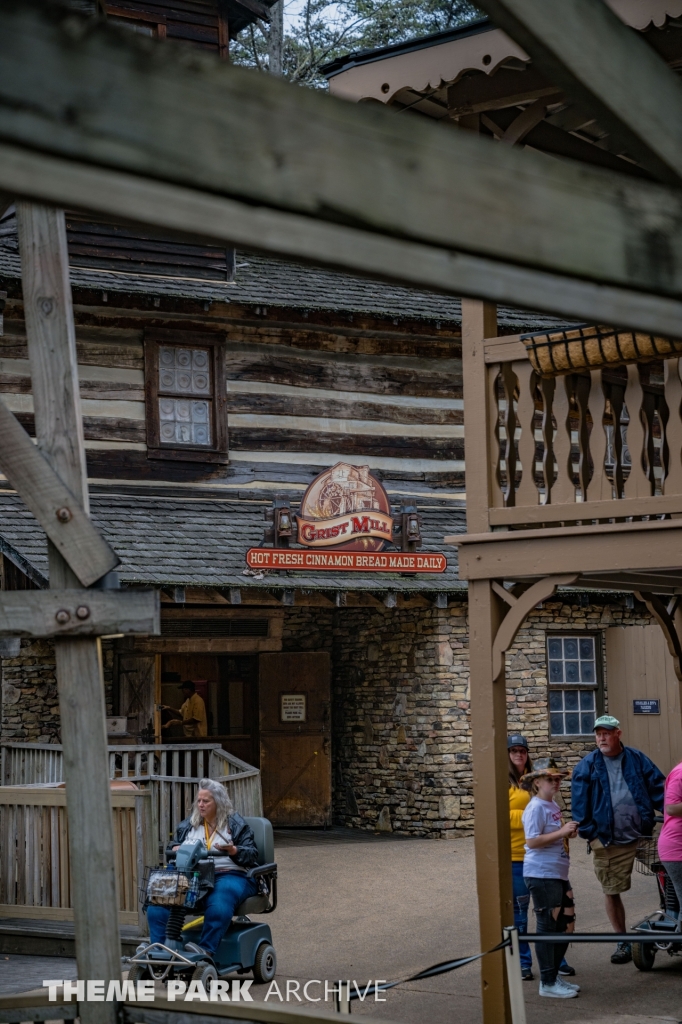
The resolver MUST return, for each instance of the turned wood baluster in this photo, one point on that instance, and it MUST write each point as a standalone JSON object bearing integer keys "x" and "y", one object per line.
{"x": 509, "y": 421}
{"x": 527, "y": 492}
{"x": 496, "y": 496}
{"x": 649, "y": 448}
{"x": 599, "y": 487}
{"x": 564, "y": 489}
{"x": 582, "y": 395}
{"x": 637, "y": 484}
{"x": 616, "y": 398}
{"x": 672, "y": 483}
{"x": 547, "y": 389}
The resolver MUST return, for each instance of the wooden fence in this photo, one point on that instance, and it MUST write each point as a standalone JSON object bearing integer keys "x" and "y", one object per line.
{"x": 35, "y": 877}
{"x": 170, "y": 771}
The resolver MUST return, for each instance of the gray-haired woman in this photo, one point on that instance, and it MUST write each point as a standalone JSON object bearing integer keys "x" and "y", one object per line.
{"x": 214, "y": 821}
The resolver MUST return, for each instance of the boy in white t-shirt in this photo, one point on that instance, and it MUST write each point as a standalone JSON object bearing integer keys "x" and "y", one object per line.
{"x": 545, "y": 872}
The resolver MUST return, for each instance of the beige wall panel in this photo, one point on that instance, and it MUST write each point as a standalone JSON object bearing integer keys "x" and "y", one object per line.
{"x": 639, "y": 667}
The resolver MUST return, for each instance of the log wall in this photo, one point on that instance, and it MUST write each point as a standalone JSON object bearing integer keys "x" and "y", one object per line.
{"x": 304, "y": 389}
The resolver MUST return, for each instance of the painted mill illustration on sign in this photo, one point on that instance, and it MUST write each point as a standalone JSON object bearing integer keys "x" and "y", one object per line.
{"x": 345, "y": 523}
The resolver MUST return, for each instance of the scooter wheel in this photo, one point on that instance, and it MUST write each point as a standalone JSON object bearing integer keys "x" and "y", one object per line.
{"x": 265, "y": 967}
{"x": 206, "y": 974}
{"x": 643, "y": 955}
{"x": 136, "y": 973}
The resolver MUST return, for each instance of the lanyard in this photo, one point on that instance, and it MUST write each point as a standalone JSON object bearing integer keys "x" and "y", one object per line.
{"x": 209, "y": 838}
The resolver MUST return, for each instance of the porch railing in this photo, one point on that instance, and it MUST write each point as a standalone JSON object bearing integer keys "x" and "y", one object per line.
{"x": 35, "y": 876}
{"x": 595, "y": 446}
{"x": 170, "y": 771}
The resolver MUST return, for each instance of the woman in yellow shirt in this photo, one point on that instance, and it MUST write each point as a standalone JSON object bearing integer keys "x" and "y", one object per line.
{"x": 519, "y": 764}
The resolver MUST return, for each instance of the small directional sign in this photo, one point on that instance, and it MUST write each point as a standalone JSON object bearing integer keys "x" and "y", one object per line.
{"x": 646, "y": 707}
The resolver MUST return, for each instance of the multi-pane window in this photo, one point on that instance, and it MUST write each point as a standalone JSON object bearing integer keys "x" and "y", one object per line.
{"x": 573, "y": 684}
{"x": 186, "y": 373}
{"x": 185, "y": 397}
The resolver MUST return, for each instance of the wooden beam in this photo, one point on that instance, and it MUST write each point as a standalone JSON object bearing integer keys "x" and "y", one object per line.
{"x": 594, "y": 549}
{"x": 576, "y": 511}
{"x": 479, "y": 321}
{"x": 667, "y": 623}
{"x": 56, "y": 508}
{"x": 585, "y": 49}
{"x": 518, "y": 613}
{"x": 51, "y": 338}
{"x": 139, "y": 106}
{"x": 491, "y": 786}
{"x": 43, "y": 613}
{"x": 178, "y": 208}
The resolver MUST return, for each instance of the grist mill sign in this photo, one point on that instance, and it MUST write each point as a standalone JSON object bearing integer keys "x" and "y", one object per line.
{"x": 345, "y": 524}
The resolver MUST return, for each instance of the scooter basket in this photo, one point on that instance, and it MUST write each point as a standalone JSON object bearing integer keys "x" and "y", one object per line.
{"x": 166, "y": 887}
{"x": 646, "y": 858}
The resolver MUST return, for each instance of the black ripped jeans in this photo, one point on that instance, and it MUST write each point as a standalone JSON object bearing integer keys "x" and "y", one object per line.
{"x": 554, "y": 914}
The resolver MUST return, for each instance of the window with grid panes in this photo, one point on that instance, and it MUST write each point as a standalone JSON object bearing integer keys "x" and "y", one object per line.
{"x": 185, "y": 384}
{"x": 573, "y": 684}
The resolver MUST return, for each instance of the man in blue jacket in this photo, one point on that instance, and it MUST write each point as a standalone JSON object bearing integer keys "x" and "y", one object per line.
{"x": 616, "y": 791}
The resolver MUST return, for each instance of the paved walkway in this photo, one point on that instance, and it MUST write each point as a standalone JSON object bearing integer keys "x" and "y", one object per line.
{"x": 386, "y": 909}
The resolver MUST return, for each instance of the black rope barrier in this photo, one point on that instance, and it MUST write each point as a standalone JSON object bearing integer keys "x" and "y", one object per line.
{"x": 452, "y": 965}
{"x": 428, "y": 972}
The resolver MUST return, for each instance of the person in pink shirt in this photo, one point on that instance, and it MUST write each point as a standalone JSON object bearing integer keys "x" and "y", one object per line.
{"x": 670, "y": 839}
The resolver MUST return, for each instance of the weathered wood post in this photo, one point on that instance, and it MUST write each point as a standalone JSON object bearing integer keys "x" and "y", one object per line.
{"x": 488, "y": 697}
{"x": 59, "y": 432}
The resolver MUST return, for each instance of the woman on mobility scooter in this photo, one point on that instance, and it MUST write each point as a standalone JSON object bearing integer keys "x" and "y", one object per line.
{"x": 215, "y": 822}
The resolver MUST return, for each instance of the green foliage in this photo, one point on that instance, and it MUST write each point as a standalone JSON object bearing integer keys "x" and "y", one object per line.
{"x": 324, "y": 30}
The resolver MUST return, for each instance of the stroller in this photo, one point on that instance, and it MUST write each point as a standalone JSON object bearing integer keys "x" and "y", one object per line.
{"x": 667, "y": 920}
{"x": 246, "y": 946}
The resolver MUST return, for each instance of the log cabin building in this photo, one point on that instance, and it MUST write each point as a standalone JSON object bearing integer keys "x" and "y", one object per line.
{"x": 217, "y": 388}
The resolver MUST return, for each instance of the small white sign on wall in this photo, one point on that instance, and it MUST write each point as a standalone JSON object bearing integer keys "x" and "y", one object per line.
{"x": 293, "y": 707}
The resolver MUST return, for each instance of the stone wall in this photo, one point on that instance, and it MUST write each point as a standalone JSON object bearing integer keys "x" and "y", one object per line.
{"x": 400, "y": 681}
{"x": 400, "y": 696}
{"x": 30, "y": 705}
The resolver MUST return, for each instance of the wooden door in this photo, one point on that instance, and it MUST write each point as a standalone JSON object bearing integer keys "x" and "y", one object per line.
{"x": 295, "y": 738}
{"x": 639, "y": 667}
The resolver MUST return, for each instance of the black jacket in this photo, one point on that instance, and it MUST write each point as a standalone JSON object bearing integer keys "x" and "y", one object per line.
{"x": 242, "y": 837}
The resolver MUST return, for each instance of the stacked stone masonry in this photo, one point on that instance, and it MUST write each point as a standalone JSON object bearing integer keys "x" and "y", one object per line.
{"x": 400, "y": 703}
{"x": 30, "y": 703}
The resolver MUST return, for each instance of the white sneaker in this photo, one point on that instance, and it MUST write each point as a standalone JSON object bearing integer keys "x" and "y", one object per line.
{"x": 568, "y": 984}
{"x": 557, "y": 991}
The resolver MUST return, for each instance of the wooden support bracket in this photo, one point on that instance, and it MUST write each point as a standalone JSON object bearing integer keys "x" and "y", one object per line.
{"x": 58, "y": 511}
{"x": 664, "y": 617}
{"x": 71, "y": 613}
{"x": 518, "y": 611}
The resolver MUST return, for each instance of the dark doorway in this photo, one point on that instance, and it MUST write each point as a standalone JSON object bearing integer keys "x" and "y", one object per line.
{"x": 228, "y": 685}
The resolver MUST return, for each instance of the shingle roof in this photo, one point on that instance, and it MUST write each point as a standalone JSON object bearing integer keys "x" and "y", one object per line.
{"x": 202, "y": 543}
{"x": 273, "y": 282}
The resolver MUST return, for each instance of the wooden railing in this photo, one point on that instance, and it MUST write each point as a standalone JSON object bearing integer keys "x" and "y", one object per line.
{"x": 596, "y": 446}
{"x": 171, "y": 772}
{"x": 35, "y": 876}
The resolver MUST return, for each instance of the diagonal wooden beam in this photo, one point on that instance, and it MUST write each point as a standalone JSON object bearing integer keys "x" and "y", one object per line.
{"x": 585, "y": 49}
{"x": 167, "y": 117}
{"x": 517, "y": 614}
{"x": 60, "y": 514}
{"x": 666, "y": 621}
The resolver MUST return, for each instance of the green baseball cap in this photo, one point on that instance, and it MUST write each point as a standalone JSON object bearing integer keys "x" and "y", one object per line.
{"x": 606, "y": 722}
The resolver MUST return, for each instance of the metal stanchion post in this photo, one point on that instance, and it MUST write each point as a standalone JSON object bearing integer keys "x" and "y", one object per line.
{"x": 343, "y": 997}
{"x": 514, "y": 978}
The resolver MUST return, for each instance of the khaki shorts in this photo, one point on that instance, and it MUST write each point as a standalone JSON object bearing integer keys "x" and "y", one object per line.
{"x": 613, "y": 866}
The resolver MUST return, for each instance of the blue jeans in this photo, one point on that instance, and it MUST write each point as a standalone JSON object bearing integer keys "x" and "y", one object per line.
{"x": 521, "y": 900}
{"x": 231, "y": 889}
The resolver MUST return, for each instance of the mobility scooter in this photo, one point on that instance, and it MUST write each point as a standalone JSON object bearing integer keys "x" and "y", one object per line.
{"x": 183, "y": 887}
{"x": 666, "y": 921}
